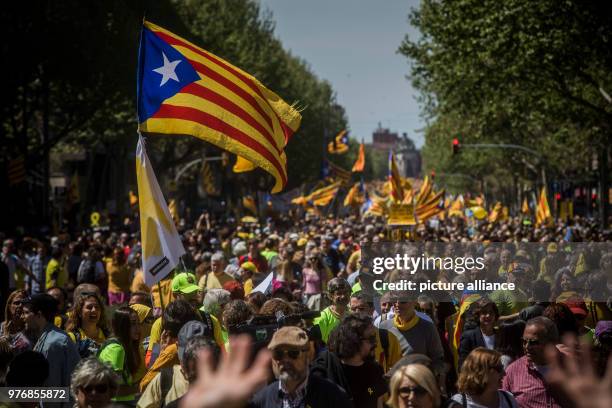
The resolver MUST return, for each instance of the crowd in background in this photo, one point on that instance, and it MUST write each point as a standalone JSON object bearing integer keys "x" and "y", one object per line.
{"x": 78, "y": 313}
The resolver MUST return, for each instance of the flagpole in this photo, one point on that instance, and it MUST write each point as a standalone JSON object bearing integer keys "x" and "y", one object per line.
{"x": 161, "y": 298}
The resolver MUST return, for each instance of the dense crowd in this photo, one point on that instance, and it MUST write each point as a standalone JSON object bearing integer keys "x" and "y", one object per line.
{"x": 216, "y": 333}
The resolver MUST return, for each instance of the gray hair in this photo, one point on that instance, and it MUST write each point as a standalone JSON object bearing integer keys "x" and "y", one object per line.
{"x": 551, "y": 334}
{"x": 213, "y": 299}
{"x": 217, "y": 256}
{"x": 91, "y": 370}
{"x": 197, "y": 343}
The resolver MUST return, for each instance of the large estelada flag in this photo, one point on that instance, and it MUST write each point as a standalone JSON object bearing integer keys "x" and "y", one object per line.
{"x": 185, "y": 90}
{"x": 161, "y": 245}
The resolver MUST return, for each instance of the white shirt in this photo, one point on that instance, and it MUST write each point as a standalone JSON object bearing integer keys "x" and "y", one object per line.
{"x": 489, "y": 341}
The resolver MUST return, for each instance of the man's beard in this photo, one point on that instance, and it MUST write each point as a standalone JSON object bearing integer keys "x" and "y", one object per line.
{"x": 288, "y": 374}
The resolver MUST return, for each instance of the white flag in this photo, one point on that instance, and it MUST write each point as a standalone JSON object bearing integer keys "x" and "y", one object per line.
{"x": 265, "y": 286}
{"x": 161, "y": 244}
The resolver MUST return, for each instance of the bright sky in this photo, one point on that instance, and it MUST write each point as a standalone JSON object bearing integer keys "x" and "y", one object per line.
{"x": 353, "y": 44}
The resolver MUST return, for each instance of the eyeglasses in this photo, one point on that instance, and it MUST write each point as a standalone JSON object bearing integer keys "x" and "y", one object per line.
{"x": 418, "y": 391}
{"x": 99, "y": 388}
{"x": 371, "y": 339}
{"x": 278, "y": 354}
{"x": 531, "y": 342}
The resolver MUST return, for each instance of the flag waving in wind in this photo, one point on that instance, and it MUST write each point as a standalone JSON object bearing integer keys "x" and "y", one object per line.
{"x": 395, "y": 181}
{"x": 340, "y": 143}
{"x": 360, "y": 162}
{"x": 161, "y": 244}
{"x": 185, "y": 90}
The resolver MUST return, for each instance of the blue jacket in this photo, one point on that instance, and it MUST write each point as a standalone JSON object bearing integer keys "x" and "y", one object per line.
{"x": 320, "y": 393}
{"x": 60, "y": 352}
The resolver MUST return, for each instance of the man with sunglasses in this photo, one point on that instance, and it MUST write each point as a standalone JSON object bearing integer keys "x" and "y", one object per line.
{"x": 294, "y": 387}
{"x": 525, "y": 376}
{"x": 388, "y": 350}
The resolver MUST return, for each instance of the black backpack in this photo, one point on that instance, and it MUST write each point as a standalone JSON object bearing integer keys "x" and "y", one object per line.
{"x": 86, "y": 272}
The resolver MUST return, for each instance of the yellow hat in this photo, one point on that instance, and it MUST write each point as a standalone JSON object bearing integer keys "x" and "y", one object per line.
{"x": 141, "y": 310}
{"x": 302, "y": 242}
{"x": 249, "y": 266}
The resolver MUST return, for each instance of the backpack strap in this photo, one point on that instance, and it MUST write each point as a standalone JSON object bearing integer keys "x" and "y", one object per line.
{"x": 207, "y": 320}
{"x": 463, "y": 400}
{"x": 165, "y": 381}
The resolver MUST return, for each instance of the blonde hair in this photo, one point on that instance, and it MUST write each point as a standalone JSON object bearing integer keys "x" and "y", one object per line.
{"x": 420, "y": 375}
{"x": 474, "y": 375}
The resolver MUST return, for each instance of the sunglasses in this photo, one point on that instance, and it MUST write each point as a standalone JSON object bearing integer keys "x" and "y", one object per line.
{"x": 531, "y": 342}
{"x": 418, "y": 391}
{"x": 99, "y": 388}
{"x": 278, "y": 355}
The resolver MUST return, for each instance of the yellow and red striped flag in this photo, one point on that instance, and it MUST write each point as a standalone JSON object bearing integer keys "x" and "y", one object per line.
{"x": 183, "y": 89}
{"x": 543, "y": 215}
{"x": 360, "y": 162}
{"x": 340, "y": 143}
{"x": 395, "y": 180}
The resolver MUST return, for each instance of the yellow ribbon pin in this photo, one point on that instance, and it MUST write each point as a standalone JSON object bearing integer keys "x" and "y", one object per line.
{"x": 95, "y": 219}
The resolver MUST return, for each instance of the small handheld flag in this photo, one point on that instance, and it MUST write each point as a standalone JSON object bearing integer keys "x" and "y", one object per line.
{"x": 340, "y": 143}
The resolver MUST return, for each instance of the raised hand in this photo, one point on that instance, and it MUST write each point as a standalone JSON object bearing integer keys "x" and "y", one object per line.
{"x": 232, "y": 383}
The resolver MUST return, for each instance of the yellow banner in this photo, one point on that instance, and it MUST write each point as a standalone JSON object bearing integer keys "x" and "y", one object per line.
{"x": 401, "y": 214}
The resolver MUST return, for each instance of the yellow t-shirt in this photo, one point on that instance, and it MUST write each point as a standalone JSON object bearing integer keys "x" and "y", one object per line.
{"x": 138, "y": 283}
{"x": 99, "y": 340}
{"x": 394, "y": 351}
{"x": 118, "y": 277}
{"x": 212, "y": 281}
{"x": 166, "y": 287}
{"x": 248, "y": 286}
{"x": 55, "y": 275}
{"x": 156, "y": 332}
{"x": 354, "y": 261}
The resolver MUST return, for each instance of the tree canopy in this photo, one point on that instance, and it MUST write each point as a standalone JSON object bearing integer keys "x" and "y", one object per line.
{"x": 72, "y": 80}
{"x": 535, "y": 74}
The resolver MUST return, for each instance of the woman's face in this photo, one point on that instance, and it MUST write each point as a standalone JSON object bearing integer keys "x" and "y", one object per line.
{"x": 487, "y": 317}
{"x": 495, "y": 376}
{"x": 412, "y": 395}
{"x": 15, "y": 306}
{"x": 94, "y": 395}
{"x": 91, "y": 311}
{"x": 566, "y": 283}
{"x": 134, "y": 326}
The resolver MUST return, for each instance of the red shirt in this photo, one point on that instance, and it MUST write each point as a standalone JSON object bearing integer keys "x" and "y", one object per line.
{"x": 527, "y": 385}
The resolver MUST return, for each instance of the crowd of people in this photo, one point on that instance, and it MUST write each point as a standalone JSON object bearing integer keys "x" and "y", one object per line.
{"x": 77, "y": 313}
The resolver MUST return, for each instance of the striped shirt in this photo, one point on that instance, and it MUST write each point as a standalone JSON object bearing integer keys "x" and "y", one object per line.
{"x": 527, "y": 385}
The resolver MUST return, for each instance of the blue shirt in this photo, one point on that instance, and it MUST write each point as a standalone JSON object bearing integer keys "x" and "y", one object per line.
{"x": 60, "y": 352}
